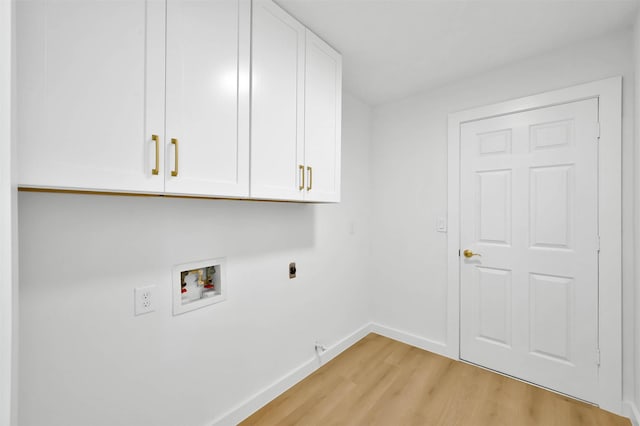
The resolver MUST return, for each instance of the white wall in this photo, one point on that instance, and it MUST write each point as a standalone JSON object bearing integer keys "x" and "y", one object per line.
{"x": 410, "y": 161}
{"x": 85, "y": 359}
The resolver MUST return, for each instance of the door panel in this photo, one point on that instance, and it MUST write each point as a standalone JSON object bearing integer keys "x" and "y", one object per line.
{"x": 494, "y": 207}
{"x": 551, "y": 314}
{"x": 529, "y": 208}
{"x": 493, "y": 309}
{"x": 552, "y": 135}
{"x": 551, "y": 203}
{"x": 496, "y": 142}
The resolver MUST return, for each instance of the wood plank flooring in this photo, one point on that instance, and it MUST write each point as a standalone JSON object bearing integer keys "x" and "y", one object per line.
{"x": 379, "y": 381}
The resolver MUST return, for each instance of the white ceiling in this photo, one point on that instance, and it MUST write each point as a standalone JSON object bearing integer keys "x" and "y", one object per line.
{"x": 392, "y": 48}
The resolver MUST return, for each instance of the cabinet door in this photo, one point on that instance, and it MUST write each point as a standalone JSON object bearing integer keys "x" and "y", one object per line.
{"x": 277, "y": 135}
{"x": 202, "y": 99}
{"x": 323, "y": 111}
{"x": 90, "y": 87}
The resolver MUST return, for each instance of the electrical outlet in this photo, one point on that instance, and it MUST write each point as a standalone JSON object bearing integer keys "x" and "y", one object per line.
{"x": 144, "y": 302}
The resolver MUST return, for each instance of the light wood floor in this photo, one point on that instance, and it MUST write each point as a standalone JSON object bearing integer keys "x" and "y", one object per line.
{"x": 379, "y": 381}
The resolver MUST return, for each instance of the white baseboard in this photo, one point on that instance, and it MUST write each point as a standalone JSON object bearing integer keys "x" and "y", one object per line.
{"x": 434, "y": 346}
{"x": 630, "y": 409}
{"x": 268, "y": 394}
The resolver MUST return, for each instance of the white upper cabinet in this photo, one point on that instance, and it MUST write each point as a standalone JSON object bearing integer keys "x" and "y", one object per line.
{"x": 322, "y": 124}
{"x": 277, "y": 104}
{"x": 90, "y": 85}
{"x": 296, "y": 110}
{"x": 182, "y": 97}
{"x": 91, "y": 96}
{"x": 202, "y": 142}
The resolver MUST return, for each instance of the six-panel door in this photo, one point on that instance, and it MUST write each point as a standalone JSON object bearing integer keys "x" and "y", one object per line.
{"x": 529, "y": 193}
{"x": 90, "y": 84}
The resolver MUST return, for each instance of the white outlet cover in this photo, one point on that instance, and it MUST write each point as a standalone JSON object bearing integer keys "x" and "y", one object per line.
{"x": 144, "y": 299}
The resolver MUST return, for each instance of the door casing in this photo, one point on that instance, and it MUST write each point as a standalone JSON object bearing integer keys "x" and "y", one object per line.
{"x": 609, "y": 95}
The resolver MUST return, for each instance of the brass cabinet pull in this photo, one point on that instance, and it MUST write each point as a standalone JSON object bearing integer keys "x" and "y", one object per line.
{"x": 175, "y": 172}
{"x": 468, "y": 253}
{"x": 156, "y": 139}
{"x": 301, "y": 169}
{"x": 310, "y": 184}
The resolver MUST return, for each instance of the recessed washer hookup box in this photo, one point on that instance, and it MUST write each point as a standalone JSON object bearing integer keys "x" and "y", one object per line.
{"x": 198, "y": 284}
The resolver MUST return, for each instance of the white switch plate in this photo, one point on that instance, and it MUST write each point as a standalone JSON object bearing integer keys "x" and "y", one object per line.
{"x": 441, "y": 224}
{"x": 144, "y": 299}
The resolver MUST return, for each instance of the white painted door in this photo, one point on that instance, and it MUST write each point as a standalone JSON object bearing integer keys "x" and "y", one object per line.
{"x": 277, "y": 104}
{"x": 323, "y": 117}
{"x": 203, "y": 155}
{"x": 529, "y": 209}
{"x": 90, "y": 84}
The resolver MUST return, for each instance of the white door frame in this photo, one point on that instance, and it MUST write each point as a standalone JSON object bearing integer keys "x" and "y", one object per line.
{"x": 609, "y": 94}
{"x": 8, "y": 224}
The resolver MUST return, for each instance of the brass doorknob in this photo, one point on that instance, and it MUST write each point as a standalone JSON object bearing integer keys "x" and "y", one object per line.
{"x": 468, "y": 253}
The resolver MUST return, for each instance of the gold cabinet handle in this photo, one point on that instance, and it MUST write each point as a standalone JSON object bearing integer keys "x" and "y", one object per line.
{"x": 156, "y": 139}
{"x": 301, "y": 169}
{"x": 175, "y": 171}
{"x": 468, "y": 253}
{"x": 310, "y": 184}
